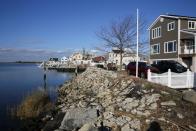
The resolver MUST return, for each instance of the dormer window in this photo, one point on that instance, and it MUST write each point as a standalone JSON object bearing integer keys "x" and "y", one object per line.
{"x": 192, "y": 24}
{"x": 170, "y": 26}
{"x": 156, "y": 32}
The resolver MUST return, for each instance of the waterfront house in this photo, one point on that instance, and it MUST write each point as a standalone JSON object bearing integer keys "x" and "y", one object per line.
{"x": 173, "y": 37}
{"x": 76, "y": 56}
{"x": 99, "y": 59}
{"x": 53, "y": 62}
{"x": 64, "y": 60}
{"x": 81, "y": 58}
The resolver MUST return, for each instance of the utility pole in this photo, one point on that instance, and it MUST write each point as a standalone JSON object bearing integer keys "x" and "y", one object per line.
{"x": 137, "y": 42}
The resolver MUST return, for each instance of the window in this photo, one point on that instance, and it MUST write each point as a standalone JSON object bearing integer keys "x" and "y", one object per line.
{"x": 155, "y": 49}
{"x": 192, "y": 24}
{"x": 170, "y": 26}
{"x": 189, "y": 45}
{"x": 156, "y": 33}
{"x": 170, "y": 47}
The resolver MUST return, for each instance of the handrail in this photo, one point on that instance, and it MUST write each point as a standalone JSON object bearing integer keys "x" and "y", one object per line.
{"x": 188, "y": 49}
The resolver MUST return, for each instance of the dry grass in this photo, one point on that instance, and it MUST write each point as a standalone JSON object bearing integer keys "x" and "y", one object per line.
{"x": 34, "y": 105}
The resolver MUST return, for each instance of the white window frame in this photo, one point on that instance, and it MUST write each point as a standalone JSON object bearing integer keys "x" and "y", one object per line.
{"x": 191, "y": 24}
{"x": 170, "y": 25}
{"x": 153, "y": 48}
{"x": 156, "y": 32}
{"x": 166, "y": 43}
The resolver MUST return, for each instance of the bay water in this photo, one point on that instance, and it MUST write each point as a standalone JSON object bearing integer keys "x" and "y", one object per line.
{"x": 18, "y": 80}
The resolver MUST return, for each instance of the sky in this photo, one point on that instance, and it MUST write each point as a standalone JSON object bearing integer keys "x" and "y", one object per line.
{"x": 34, "y": 30}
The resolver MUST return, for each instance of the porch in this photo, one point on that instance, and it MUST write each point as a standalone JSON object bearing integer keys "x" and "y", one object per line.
{"x": 187, "y": 48}
{"x": 188, "y": 42}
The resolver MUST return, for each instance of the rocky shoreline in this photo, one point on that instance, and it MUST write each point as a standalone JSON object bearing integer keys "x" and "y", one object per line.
{"x": 101, "y": 100}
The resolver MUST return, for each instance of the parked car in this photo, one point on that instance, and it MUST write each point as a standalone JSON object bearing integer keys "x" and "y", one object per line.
{"x": 163, "y": 66}
{"x": 142, "y": 69}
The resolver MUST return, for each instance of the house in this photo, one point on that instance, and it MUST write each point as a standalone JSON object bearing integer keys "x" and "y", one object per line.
{"x": 76, "y": 56}
{"x": 64, "y": 60}
{"x": 173, "y": 37}
{"x": 53, "y": 62}
{"x": 128, "y": 55}
{"x": 81, "y": 58}
{"x": 99, "y": 59}
{"x": 87, "y": 56}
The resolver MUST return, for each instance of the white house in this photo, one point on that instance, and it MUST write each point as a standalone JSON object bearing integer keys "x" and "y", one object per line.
{"x": 64, "y": 60}
{"x": 128, "y": 56}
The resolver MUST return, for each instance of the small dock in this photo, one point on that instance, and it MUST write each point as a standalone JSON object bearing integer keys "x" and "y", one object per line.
{"x": 63, "y": 69}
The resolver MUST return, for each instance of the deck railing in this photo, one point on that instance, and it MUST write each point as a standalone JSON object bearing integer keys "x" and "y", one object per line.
{"x": 188, "y": 49}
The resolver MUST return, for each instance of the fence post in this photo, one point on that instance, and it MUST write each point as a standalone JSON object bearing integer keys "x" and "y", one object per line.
{"x": 169, "y": 77}
{"x": 149, "y": 75}
{"x": 188, "y": 78}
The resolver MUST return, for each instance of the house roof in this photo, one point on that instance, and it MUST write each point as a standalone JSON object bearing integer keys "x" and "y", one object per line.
{"x": 171, "y": 16}
{"x": 180, "y": 16}
{"x": 126, "y": 50}
{"x": 99, "y": 59}
{"x": 64, "y": 57}
{"x": 53, "y": 59}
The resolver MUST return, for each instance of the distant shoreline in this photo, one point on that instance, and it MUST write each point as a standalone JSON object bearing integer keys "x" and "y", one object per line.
{"x": 24, "y": 62}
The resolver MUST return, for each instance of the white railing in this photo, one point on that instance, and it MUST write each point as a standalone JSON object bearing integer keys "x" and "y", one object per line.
{"x": 174, "y": 80}
{"x": 188, "y": 49}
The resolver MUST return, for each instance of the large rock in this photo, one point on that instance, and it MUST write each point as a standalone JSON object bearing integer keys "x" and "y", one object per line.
{"x": 75, "y": 118}
{"x": 88, "y": 127}
{"x": 126, "y": 127}
{"x": 189, "y": 96}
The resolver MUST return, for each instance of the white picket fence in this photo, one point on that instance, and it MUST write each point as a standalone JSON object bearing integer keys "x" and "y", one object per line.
{"x": 174, "y": 80}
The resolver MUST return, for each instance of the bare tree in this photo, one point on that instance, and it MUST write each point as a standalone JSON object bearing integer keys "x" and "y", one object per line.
{"x": 120, "y": 34}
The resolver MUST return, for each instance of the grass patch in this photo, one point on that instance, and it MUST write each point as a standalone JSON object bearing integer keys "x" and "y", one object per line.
{"x": 34, "y": 105}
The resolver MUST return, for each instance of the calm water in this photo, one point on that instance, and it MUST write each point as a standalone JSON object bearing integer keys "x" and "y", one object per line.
{"x": 18, "y": 80}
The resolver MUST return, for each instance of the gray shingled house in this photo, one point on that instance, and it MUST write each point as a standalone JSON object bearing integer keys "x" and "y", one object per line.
{"x": 173, "y": 37}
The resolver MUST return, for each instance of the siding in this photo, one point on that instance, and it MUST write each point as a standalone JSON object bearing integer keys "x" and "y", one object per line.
{"x": 184, "y": 24}
{"x": 165, "y": 36}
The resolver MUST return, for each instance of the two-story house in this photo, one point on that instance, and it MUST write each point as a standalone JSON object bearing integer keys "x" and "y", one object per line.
{"x": 173, "y": 37}
{"x": 128, "y": 55}
{"x": 76, "y": 56}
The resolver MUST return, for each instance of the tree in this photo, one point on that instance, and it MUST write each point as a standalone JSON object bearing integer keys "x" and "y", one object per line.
{"x": 120, "y": 34}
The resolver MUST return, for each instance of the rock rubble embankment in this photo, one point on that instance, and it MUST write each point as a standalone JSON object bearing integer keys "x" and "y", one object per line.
{"x": 99, "y": 99}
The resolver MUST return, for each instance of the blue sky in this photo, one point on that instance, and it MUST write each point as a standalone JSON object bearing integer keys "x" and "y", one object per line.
{"x": 38, "y": 29}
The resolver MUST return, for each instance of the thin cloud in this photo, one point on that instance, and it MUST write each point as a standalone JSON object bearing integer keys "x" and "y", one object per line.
{"x": 15, "y": 54}
{"x": 44, "y": 51}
